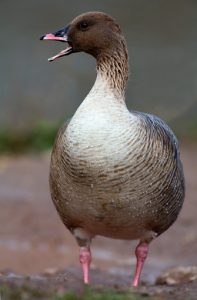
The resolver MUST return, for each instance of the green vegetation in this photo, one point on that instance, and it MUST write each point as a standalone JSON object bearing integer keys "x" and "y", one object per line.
{"x": 20, "y": 293}
{"x": 27, "y": 293}
{"x": 37, "y": 139}
{"x": 91, "y": 294}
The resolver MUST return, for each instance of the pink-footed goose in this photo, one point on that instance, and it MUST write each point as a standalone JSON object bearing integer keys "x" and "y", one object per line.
{"x": 113, "y": 172}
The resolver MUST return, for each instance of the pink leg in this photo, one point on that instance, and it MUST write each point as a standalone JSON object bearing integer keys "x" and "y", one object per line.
{"x": 141, "y": 252}
{"x": 85, "y": 260}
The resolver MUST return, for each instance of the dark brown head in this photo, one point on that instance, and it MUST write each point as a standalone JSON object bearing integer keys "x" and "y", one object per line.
{"x": 92, "y": 32}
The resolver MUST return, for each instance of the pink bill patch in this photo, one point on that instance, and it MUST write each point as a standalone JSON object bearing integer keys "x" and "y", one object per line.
{"x": 51, "y": 36}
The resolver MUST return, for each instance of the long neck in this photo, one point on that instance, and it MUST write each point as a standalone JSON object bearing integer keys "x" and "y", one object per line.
{"x": 113, "y": 66}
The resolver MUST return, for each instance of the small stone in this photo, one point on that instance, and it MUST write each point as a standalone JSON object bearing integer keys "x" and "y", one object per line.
{"x": 50, "y": 271}
{"x": 178, "y": 275}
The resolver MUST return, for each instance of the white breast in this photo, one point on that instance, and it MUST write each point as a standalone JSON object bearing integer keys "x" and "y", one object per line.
{"x": 101, "y": 127}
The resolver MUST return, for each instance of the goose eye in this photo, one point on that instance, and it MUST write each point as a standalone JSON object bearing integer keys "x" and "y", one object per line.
{"x": 83, "y": 25}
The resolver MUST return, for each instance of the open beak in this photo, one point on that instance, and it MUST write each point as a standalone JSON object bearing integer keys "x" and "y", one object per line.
{"x": 60, "y": 35}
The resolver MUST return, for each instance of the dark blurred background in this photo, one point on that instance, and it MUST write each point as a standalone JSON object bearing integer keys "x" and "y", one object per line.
{"x": 35, "y": 96}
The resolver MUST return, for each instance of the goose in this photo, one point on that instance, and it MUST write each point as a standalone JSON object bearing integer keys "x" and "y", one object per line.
{"x": 113, "y": 172}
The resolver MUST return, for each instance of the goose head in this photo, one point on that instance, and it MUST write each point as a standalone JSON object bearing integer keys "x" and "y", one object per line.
{"x": 94, "y": 33}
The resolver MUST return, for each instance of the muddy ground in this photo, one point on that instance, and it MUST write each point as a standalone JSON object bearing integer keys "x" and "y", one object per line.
{"x": 33, "y": 240}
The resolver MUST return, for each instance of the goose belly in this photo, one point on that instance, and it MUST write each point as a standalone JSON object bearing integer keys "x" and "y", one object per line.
{"x": 109, "y": 184}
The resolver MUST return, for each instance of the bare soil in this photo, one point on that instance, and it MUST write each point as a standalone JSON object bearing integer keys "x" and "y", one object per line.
{"x": 36, "y": 247}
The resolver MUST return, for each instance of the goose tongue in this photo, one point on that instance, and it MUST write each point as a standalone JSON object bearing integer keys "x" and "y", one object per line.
{"x": 60, "y": 35}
